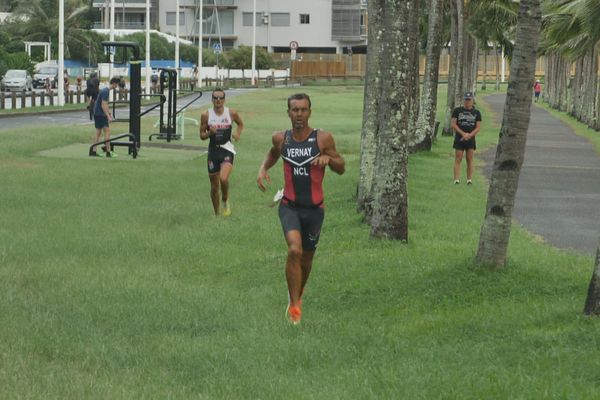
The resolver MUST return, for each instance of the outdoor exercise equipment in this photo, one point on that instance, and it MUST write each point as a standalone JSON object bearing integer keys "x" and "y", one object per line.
{"x": 168, "y": 125}
{"x": 135, "y": 83}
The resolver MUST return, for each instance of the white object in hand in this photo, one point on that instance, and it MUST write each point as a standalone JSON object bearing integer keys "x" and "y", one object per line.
{"x": 278, "y": 196}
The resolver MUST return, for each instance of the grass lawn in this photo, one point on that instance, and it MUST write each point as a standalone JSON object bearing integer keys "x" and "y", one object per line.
{"x": 117, "y": 282}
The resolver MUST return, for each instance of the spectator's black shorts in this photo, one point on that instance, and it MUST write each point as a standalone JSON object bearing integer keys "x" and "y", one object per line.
{"x": 464, "y": 144}
{"x": 100, "y": 121}
{"x": 216, "y": 157}
{"x": 307, "y": 221}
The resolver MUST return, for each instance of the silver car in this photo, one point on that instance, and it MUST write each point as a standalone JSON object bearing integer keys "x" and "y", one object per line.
{"x": 17, "y": 80}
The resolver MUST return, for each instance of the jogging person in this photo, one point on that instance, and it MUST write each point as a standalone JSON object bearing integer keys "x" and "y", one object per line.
{"x": 466, "y": 122}
{"x": 216, "y": 124}
{"x": 103, "y": 117}
{"x": 537, "y": 90}
{"x": 305, "y": 152}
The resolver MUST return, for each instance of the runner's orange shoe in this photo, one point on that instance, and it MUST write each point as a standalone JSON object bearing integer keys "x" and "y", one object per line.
{"x": 294, "y": 314}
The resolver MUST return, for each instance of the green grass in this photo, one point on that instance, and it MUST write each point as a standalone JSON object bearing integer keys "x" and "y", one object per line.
{"x": 579, "y": 128}
{"x": 116, "y": 281}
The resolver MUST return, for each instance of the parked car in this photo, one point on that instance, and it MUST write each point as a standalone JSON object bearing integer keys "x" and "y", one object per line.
{"x": 17, "y": 79}
{"x": 46, "y": 72}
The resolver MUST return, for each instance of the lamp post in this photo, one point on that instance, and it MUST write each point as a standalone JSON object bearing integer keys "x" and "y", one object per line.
{"x": 253, "y": 42}
{"x": 147, "y": 85}
{"x": 61, "y": 52}
{"x": 200, "y": 47}
{"x": 177, "y": 42}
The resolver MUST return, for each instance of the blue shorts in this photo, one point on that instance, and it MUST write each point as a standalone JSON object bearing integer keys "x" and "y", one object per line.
{"x": 100, "y": 121}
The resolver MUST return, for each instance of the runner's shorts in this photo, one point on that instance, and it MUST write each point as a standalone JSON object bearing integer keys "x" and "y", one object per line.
{"x": 306, "y": 220}
{"x": 464, "y": 144}
{"x": 216, "y": 157}
{"x": 100, "y": 121}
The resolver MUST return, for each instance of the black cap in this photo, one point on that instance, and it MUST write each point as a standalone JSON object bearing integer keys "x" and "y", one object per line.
{"x": 468, "y": 95}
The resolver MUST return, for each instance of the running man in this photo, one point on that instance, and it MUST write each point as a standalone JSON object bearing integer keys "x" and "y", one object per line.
{"x": 466, "y": 122}
{"x": 305, "y": 152}
{"x": 103, "y": 117}
{"x": 216, "y": 124}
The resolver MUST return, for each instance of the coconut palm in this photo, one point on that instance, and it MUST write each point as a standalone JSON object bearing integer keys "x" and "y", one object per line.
{"x": 495, "y": 232}
{"x": 37, "y": 20}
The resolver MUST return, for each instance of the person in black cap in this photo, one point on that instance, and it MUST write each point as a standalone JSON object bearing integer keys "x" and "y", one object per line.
{"x": 466, "y": 123}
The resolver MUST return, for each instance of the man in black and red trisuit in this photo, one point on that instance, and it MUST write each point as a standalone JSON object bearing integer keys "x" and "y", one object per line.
{"x": 305, "y": 152}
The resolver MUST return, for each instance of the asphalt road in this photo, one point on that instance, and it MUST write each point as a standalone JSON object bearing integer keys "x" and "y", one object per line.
{"x": 81, "y": 117}
{"x": 559, "y": 186}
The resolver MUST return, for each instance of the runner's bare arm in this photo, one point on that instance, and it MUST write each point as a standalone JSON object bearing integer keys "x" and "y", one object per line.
{"x": 270, "y": 159}
{"x": 205, "y": 132}
{"x": 329, "y": 155}
{"x": 239, "y": 123}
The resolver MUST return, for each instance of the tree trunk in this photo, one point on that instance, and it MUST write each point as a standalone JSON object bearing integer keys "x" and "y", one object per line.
{"x": 461, "y": 64}
{"x": 497, "y": 58}
{"x": 495, "y": 232}
{"x": 452, "y": 70}
{"x": 428, "y": 103}
{"x": 390, "y": 205}
{"x": 370, "y": 126}
{"x": 415, "y": 86}
{"x": 592, "y": 302}
{"x": 590, "y": 87}
{"x": 485, "y": 71}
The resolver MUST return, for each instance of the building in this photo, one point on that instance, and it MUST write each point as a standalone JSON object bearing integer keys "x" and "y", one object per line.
{"x": 317, "y": 26}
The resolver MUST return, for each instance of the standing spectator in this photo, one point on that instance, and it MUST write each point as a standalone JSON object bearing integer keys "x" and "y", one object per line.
{"x": 122, "y": 95}
{"x": 194, "y": 77}
{"x": 537, "y": 90}
{"x": 466, "y": 123}
{"x": 92, "y": 87}
{"x": 102, "y": 118}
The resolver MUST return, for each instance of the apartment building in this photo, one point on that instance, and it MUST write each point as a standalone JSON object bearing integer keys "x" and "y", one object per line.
{"x": 317, "y": 26}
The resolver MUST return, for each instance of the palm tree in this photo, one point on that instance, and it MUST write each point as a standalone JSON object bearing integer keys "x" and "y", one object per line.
{"x": 37, "y": 20}
{"x": 572, "y": 34}
{"x": 370, "y": 125}
{"x": 390, "y": 204}
{"x": 495, "y": 232}
{"x": 428, "y": 103}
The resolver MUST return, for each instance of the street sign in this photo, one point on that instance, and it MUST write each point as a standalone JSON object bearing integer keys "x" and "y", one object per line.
{"x": 217, "y": 48}
{"x": 293, "y": 45}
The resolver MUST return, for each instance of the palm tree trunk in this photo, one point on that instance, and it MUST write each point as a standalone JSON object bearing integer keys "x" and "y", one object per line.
{"x": 390, "y": 205}
{"x": 370, "y": 126}
{"x": 428, "y": 103}
{"x": 495, "y": 232}
{"x": 592, "y": 302}
{"x": 461, "y": 63}
{"x": 497, "y": 87}
{"x": 452, "y": 70}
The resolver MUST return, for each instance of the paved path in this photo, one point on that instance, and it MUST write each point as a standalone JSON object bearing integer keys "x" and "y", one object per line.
{"x": 81, "y": 117}
{"x": 559, "y": 186}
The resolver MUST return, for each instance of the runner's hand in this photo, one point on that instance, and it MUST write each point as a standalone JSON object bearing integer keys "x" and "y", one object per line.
{"x": 263, "y": 175}
{"x": 321, "y": 161}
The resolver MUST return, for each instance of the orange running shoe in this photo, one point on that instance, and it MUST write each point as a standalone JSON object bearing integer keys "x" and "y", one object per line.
{"x": 294, "y": 314}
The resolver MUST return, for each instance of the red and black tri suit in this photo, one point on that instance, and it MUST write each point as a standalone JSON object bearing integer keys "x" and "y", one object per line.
{"x": 302, "y": 204}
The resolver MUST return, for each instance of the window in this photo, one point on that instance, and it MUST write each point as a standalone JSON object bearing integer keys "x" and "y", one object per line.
{"x": 171, "y": 18}
{"x": 247, "y": 19}
{"x": 280, "y": 19}
{"x": 305, "y": 18}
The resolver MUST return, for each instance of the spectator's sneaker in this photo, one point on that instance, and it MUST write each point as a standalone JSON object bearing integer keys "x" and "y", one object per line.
{"x": 469, "y": 182}
{"x": 456, "y": 181}
{"x": 94, "y": 154}
{"x": 294, "y": 314}
{"x": 112, "y": 154}
{"x": 226, "y": 210}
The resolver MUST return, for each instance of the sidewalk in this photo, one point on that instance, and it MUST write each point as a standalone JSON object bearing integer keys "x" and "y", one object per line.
{"x": 559, "y": 186}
